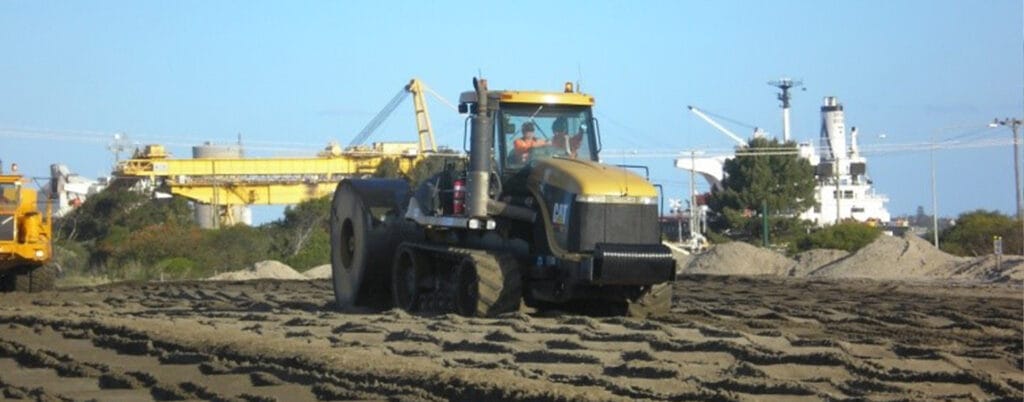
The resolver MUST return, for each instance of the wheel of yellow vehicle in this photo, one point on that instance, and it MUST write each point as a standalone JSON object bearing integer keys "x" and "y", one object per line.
{"x": 30, "y": 279}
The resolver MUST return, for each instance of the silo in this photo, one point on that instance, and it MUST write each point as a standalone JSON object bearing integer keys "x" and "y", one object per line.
{"x": 207, "y": 215}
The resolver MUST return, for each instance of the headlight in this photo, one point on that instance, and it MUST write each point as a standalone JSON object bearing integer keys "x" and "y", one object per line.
{"x": 40, "y": 254}
{"x": 617, "y": 199}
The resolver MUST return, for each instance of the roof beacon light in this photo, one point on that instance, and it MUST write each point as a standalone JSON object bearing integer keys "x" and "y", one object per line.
{"x": 568, "y": 87}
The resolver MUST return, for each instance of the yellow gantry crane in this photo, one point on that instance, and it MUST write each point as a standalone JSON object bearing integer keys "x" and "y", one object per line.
{"x": 261, "y": 181}
{"x": 227, "y": 182}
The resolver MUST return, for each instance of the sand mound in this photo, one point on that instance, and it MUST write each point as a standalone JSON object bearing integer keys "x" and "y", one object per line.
{"x": 319, "y": 272}
{"x": 811, "y": 260}
{"x": 261, "y": 270}
{"x": 739, "y": 258}
{"x": 681, "y": 256}
{"x": 986, "y": 269}
{"x": 888, "y": 257}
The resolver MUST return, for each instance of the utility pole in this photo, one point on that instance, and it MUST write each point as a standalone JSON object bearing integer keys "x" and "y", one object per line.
{"x": 935, "y": 202}
{"x": 1015, "y": 126}
{"x": 839, "y": 195}
{"x": 693, "y": 198}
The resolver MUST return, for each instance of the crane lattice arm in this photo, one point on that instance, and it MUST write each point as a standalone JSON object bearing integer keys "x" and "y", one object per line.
{"x": 715, "y": 124}
{"x": 423, "y": 127}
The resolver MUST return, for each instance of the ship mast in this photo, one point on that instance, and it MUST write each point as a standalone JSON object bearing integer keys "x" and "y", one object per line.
{"x": 785, "y": 84}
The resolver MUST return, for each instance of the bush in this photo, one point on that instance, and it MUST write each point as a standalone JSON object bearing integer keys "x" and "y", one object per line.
{"x": 70, "y": 257}
{"x": 972, "y": 235}
{"x": 849, "y": 236}
{"x": 175, "y": 268}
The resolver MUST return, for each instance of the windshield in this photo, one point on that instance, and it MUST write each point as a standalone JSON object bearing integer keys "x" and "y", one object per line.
{"x": 532, "y": 132}
{"x": 9, "y": 195}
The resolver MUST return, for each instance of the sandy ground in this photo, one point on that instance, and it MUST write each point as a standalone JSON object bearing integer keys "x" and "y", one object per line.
{"x": 727, "y": 338}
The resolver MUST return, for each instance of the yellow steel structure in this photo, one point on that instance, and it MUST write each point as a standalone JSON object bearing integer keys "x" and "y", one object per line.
{"x": 262, "y": 181}
{"x": 419, "y": 105}
{"x": 231, "y": 182}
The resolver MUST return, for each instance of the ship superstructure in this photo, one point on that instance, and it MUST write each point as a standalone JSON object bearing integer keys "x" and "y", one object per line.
{"x": 843, "y": 190}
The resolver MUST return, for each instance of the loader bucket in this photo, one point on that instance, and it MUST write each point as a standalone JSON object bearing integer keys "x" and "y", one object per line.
{"x": 367, "y": 225}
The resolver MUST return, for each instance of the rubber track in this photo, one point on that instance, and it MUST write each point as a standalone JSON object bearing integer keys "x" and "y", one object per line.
{"x": 499, "y": 281}
{"x": 499, "y": 286}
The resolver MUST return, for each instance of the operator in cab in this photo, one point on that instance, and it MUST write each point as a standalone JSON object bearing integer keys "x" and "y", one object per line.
{"x": 526, "y": 143}
{"x": 561, "y": 139}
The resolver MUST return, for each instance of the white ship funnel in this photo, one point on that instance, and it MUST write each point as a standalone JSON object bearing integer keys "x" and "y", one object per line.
{"x": 833, "y": 134}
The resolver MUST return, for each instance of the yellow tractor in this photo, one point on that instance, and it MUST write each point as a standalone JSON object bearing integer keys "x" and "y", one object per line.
{"x": 535, "y": 217}
{"x": 24, "y": 238}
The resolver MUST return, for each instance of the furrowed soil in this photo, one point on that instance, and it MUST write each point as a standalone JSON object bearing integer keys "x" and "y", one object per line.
{"x": 726, "y": 338}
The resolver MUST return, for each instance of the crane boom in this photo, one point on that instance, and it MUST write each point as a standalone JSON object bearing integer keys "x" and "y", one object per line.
{"x": 423, "y": 128}
{"x": 713, "y": 123}
{"x": 419, "y": 104}
{"x": 379, "y": 118}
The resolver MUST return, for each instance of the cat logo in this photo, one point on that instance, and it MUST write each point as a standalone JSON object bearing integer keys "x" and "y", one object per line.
{"x": 560, "y": 214}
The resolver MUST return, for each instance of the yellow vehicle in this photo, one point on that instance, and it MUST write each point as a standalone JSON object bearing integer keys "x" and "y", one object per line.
{"x": 546, "y": 224}
{"x": 24, "y": 238}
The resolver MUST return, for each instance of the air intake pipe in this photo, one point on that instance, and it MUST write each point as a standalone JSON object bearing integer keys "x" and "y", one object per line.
{"x": 481, "y": 139}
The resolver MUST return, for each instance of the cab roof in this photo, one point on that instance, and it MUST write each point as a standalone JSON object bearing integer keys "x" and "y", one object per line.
{"x": 533, "y": 97}
{"x": 11, "y": 178}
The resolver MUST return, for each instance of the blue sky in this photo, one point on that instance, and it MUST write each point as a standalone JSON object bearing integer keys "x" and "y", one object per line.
{"x": 291, "y": 76}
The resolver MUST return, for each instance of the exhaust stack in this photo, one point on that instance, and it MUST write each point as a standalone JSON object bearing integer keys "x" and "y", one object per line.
{"x": 481, "y": 139}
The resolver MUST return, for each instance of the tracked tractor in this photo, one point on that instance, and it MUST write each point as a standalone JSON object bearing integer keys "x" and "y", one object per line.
{"x": 545, "y": 223}
{"x": 24, "y": 238}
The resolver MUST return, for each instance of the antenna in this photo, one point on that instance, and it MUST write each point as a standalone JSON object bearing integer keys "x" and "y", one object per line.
{"x": 785, "y": 84}
{"x": 579, "y": 76}
{"x": 117, "y": 145}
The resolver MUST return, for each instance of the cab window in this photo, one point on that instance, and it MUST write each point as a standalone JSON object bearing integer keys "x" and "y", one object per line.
{"x": 9, "y": 196}
{"x": 533, "y": 132}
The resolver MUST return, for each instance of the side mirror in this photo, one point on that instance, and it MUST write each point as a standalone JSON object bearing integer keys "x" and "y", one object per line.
{"x": 597, "y": 133}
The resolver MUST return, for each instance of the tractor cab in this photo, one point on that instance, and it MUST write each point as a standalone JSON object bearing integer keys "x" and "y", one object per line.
{"x": 531, "y": 126}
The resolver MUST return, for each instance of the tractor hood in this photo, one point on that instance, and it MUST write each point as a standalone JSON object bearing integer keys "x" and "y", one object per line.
{"x": 594, "y": 181}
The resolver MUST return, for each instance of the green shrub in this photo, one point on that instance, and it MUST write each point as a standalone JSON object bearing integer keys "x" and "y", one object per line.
{"x": 849, "y": 236}
{"x": 972, "y": 235}
{"x": 70, "y": 258}
{"x": 175, "y": 268}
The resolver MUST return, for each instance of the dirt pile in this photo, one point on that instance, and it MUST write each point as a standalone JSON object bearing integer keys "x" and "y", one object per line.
{"x": 907, "y": 257}
{"x": 988, "y": 269}
{"x": 269, "y": 269}
{"x": 811, "y": 260}
{"x": 319, "y": 272}
{"x": 890, "y": 257}
{"x": 739, "y": 258}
